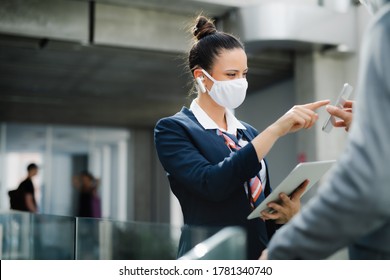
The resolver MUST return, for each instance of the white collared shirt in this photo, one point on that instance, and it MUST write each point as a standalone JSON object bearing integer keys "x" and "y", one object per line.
{"x": 232, "y": 125}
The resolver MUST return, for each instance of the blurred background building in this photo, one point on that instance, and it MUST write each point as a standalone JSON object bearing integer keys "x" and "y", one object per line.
{"x": 82, "y": 84}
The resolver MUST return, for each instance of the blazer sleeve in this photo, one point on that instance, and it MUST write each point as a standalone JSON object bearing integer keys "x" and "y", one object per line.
{"x": 189, "y": 168}
{"x": 354, "y": 201}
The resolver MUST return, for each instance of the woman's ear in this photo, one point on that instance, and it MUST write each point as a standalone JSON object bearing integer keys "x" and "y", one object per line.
{"x": 198, "y": 75}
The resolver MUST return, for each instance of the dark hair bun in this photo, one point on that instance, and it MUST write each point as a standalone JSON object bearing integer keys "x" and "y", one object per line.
{"x": 203, "y": 27}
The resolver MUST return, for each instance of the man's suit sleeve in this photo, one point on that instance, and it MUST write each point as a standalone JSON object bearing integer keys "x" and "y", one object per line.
{"x": 354, "y": 201}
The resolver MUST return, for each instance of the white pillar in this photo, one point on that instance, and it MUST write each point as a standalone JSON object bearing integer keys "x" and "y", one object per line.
{"x": 106, "y": 181}
{"x": 122, "y": 180}
{"x": 321, "y": 76}
{"x": 94, "y": 155}
{"x": 46, "y": 202}
{"x": 130, "y": 197}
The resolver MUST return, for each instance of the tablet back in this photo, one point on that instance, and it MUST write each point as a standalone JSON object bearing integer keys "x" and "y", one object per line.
{"x": 313, "y": 171}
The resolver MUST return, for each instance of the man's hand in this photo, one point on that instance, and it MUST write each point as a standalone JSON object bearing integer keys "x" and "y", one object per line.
{"x": 344, "y": 114}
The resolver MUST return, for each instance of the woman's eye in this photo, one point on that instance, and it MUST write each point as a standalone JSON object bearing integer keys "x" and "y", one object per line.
{"x": 231, "y": 74}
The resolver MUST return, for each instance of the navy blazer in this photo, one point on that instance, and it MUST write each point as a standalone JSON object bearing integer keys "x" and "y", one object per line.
{"x": 207, "y": 178}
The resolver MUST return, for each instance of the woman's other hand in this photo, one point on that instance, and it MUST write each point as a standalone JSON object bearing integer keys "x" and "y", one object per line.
{"x": 287, "y": 207}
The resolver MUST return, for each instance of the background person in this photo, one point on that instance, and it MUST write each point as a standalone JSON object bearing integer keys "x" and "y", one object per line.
{"x": 89, "y": 204}
{"x": 27, "y": 191}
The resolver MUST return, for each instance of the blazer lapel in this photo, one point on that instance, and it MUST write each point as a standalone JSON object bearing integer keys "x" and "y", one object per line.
{"x": 215, "y": 141}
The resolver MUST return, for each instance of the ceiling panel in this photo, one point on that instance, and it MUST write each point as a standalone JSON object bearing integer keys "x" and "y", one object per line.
{"x": 69, "y": 83}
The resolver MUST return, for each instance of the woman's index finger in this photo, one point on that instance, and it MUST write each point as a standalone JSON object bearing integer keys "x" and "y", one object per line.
{"x": 318, "y": 104}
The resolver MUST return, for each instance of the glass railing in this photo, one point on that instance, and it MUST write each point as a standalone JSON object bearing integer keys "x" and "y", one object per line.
{"x": 227, "y": 244}
{"x": 26, "y": 236}
{"x": 99, "y": 239}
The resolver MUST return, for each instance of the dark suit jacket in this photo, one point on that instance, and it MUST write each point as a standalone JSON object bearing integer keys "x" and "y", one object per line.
{"x": 207, "y": 178}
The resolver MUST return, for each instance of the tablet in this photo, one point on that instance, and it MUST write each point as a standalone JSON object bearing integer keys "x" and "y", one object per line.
{"x": 313, "y": 171}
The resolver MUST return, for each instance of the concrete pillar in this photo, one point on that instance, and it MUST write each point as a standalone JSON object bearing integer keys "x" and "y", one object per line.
{"x": 321, "y": 76}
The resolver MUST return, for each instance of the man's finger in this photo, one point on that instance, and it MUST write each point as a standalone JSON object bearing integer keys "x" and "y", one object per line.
{"x": 348, "y": 104}
{"x": 337, "y": 112}
{"x": 339, "y": 124}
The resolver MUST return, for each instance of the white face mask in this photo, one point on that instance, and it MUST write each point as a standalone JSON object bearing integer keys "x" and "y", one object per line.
{"x": 230, "y": 93}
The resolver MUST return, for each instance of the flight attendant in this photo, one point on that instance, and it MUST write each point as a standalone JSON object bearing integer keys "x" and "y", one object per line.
{"x": 214, "y": 162}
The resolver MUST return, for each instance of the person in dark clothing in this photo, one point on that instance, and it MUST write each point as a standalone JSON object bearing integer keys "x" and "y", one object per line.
{"x": 26, "y": 190}
{"x": 89, "y": 202}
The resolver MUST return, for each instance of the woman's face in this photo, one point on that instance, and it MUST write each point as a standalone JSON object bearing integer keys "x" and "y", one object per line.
{"x": 229, "y": 65}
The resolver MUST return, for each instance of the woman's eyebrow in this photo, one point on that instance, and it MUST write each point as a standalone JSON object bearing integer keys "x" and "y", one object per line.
{"x": 235, "y": 70}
